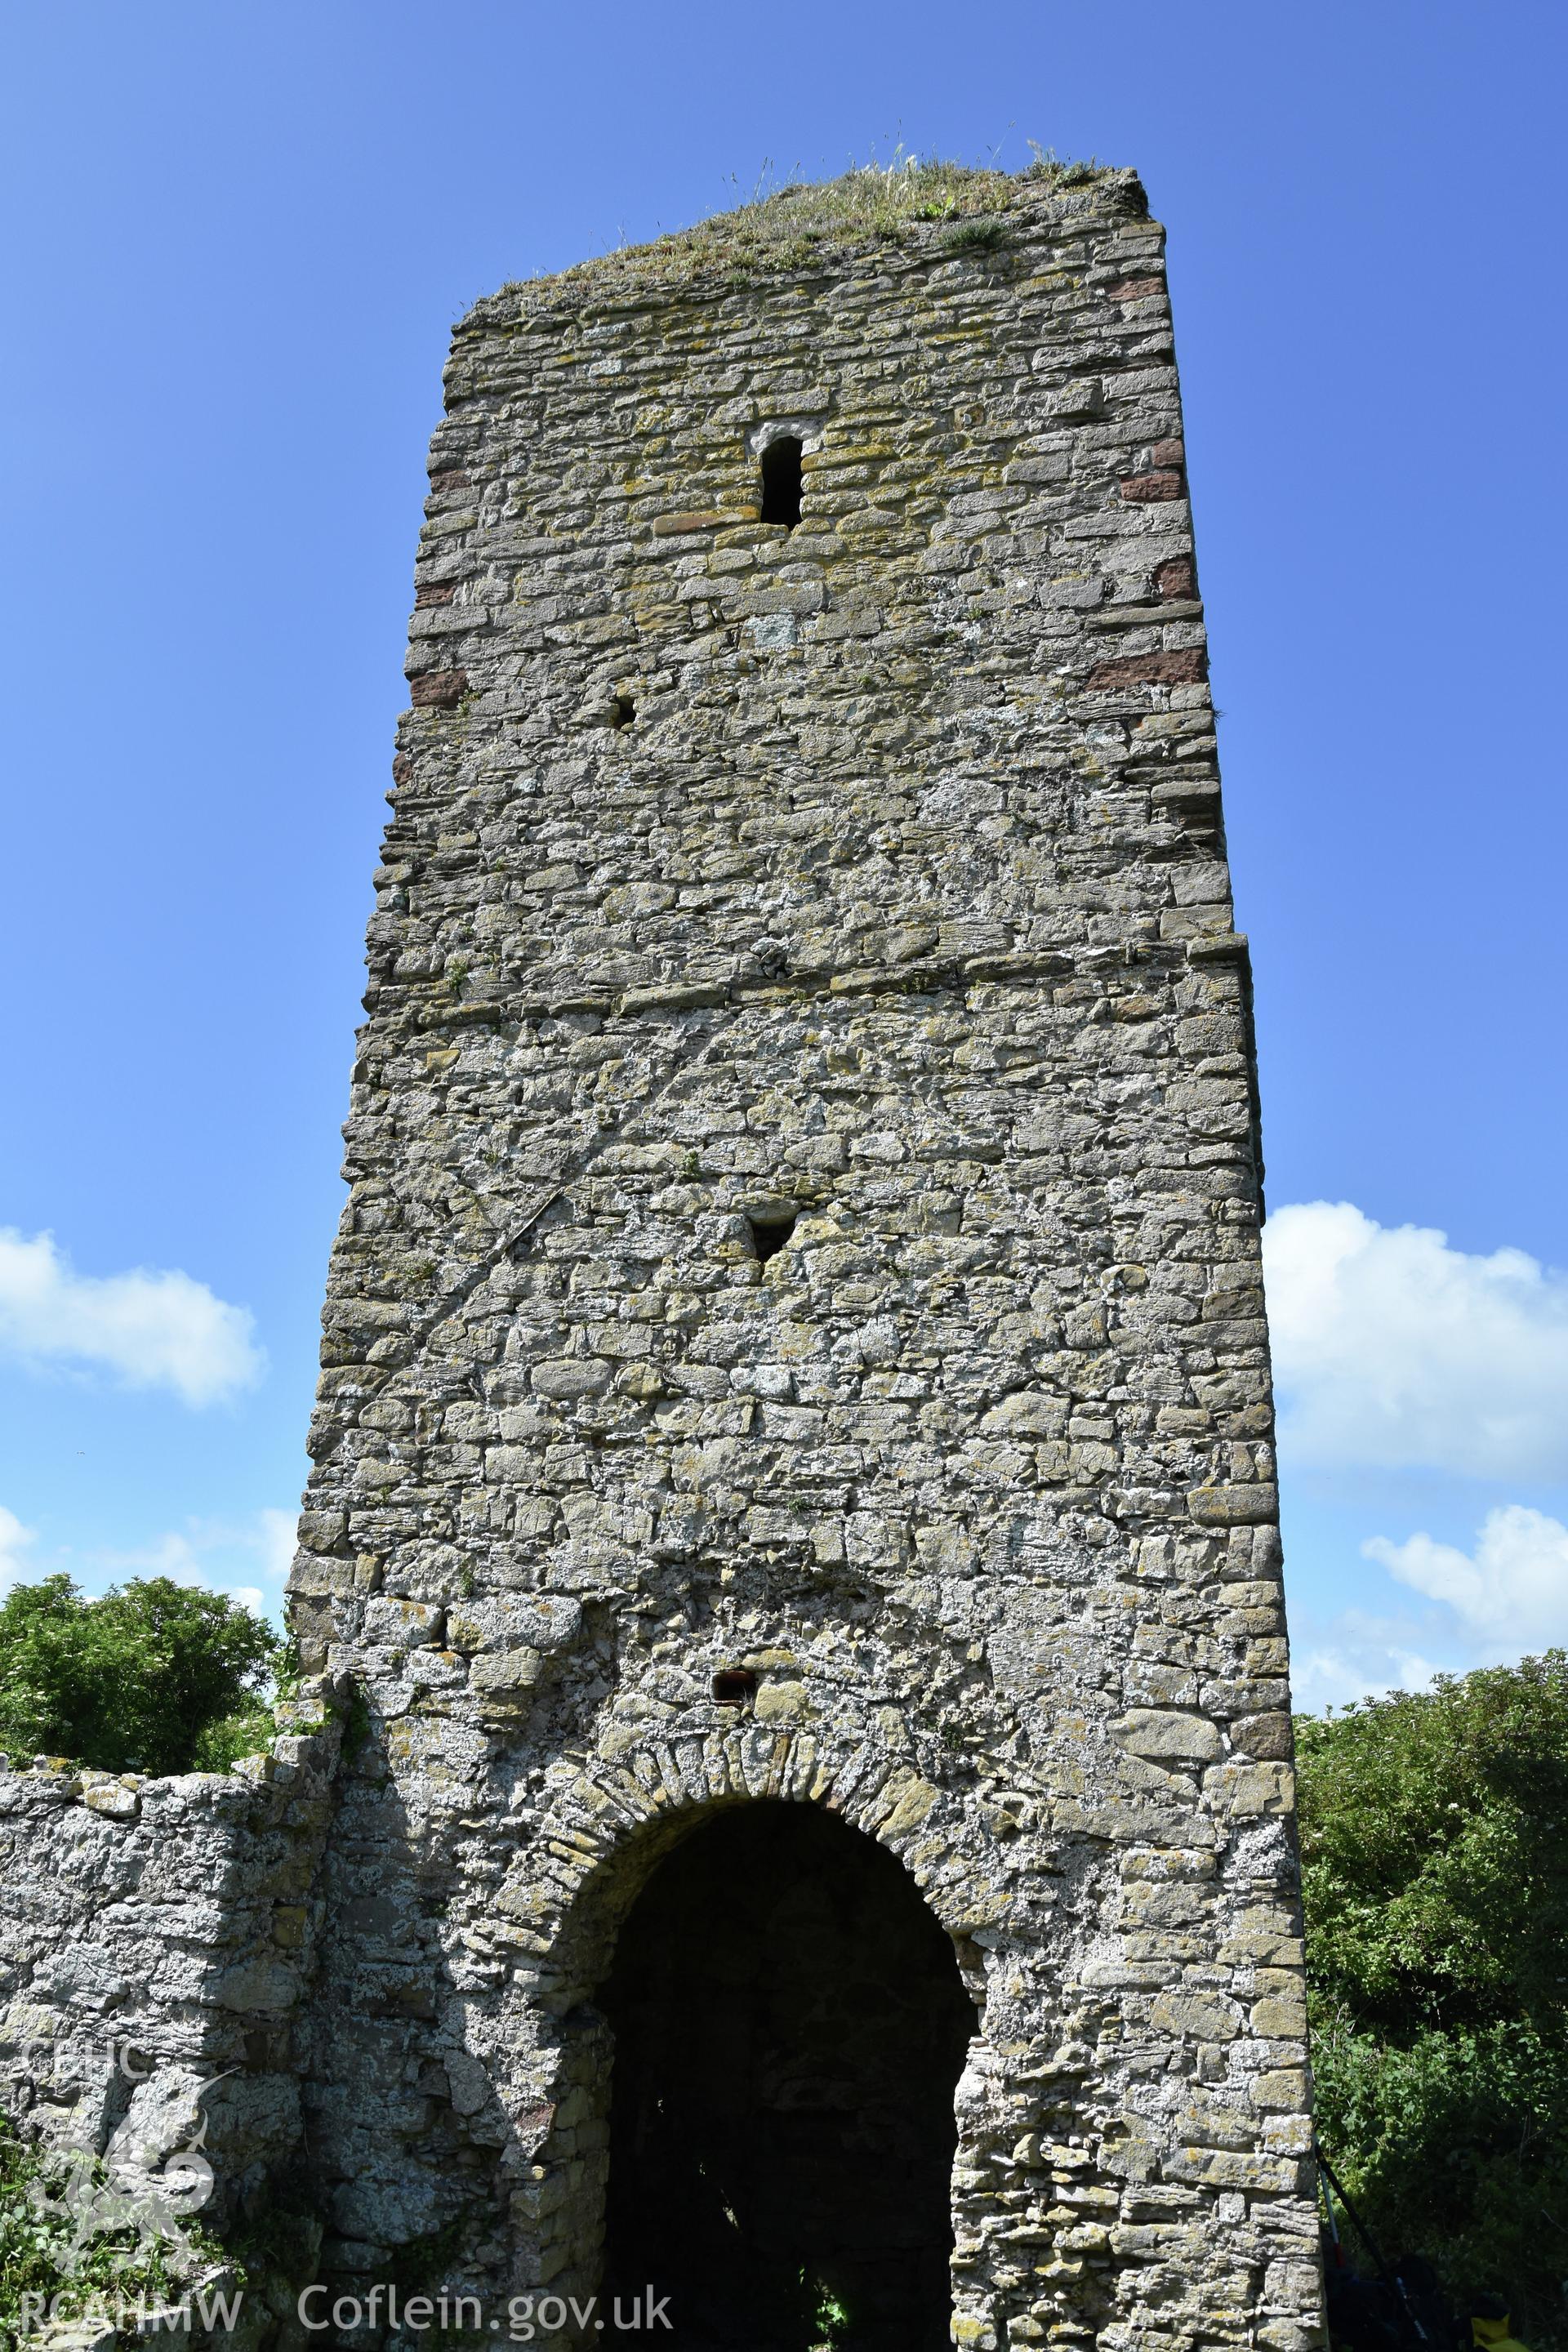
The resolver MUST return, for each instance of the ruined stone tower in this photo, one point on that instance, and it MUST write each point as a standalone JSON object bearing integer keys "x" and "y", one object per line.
{"x": 793, "y": 1522}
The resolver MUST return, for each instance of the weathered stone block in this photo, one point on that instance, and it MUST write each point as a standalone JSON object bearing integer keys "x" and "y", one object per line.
{"x": 1201, "y": 2016}
{"x": 1167, "y": 1731}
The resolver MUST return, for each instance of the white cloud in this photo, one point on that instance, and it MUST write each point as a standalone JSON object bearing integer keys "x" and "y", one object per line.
{"x": 153, "y": 1328}
{"x": 13, "y": 1541}
{"x": 1362, "y": 1657}
{"x": 214, "y": 1552}
{"x": 245, "y": 1560}
{"x": 276, "y": 1535}
{"x": 1510, "y": 1595}
{"x": 1392, "y": 1350}
{"x": 175, "y": 1556}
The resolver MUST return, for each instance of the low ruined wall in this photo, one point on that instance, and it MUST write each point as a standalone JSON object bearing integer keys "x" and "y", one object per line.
{"x": 155, "y": 1945}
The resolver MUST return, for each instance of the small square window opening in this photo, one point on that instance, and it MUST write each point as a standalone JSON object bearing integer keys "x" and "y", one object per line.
{"x": 769, "y": 1235}
{"x": 734, "y": 1686}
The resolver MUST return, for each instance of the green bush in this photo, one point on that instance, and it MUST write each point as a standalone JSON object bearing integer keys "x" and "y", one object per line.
{"x": 248, "y": 1732}
{"x": 37, "y": 2255}
{"x": 153, "y": 1677}
{"x": 1435, "y": 1876}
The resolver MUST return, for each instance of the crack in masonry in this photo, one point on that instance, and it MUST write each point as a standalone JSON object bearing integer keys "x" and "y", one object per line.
{"x": 575, "y": 1161}
{"x": 871, "y": 980}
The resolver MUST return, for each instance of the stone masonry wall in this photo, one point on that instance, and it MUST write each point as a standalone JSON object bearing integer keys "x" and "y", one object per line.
{"x": 868, "y": 874}
{"x": 156, "y": 1941}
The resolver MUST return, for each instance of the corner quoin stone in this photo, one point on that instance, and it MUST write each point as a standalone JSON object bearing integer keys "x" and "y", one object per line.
{"x": 868, "y": 872}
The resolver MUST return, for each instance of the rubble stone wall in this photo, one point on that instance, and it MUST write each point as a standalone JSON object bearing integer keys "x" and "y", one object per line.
{"x": 796, "y": 1331}
{"x": 867, "y": 874}
{"x": 156, "y": 1940}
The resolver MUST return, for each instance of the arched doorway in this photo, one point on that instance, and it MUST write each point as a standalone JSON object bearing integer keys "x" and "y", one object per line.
{"x": 790, "y": 2025}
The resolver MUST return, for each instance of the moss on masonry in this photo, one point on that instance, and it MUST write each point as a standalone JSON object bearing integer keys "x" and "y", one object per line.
{"x": 952, "y": 206}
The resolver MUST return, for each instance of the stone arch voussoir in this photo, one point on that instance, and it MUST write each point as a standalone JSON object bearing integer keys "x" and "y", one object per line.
{"x": 611, "y": 1819}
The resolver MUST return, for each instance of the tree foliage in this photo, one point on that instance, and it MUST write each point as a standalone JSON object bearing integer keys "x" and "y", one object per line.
{"x": 153, "y": 1677}
{"x": 1434, "y": 1875}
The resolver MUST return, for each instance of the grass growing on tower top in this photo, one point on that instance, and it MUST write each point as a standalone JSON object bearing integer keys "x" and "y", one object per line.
{"x": 787, "y": 226}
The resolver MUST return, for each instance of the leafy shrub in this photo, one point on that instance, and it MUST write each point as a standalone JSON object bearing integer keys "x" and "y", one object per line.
{"x": 38, "y": 2255}
{"x": 153, "y": 1677}
{"x": 1435, "y": 1876}
{"x": 247, "y": 1733}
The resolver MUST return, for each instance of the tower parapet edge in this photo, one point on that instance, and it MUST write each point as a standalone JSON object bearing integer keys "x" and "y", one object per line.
{"x": 797, "y": 1332}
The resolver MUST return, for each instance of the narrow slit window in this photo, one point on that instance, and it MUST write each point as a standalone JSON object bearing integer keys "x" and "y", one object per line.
{"x": 623, "y": 710}
{"x": 769, "y": 1235}
{"x": 781, "y": 482}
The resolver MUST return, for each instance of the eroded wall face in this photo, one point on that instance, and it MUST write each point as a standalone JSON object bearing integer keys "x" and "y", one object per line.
{"x": 867, "y": 874}
{"x": 156, "y": 1940}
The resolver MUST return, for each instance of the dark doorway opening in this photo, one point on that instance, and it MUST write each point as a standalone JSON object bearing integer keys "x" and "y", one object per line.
{"x": 790, "y": 2025}
{"x": 781, "y": 482}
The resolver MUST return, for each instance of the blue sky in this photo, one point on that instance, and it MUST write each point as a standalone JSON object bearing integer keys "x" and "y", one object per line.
{"x": 239, "y": 235}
